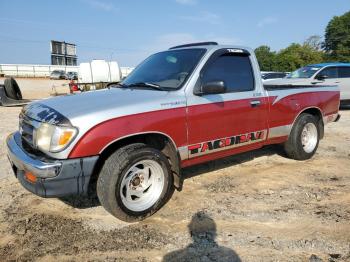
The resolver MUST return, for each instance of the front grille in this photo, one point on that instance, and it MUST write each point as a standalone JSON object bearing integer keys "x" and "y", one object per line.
{"x": 27, "y": 129}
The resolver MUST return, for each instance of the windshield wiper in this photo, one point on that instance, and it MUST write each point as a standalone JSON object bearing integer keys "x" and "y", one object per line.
{"x": 145, "y": 84}
{"x": 117, "y": 85}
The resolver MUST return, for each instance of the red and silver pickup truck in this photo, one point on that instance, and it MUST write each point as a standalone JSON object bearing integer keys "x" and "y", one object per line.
{"x": 184, "y": 106}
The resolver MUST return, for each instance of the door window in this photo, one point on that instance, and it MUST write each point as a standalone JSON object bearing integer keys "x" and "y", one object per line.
{"x": 344, "y": 72}
{"x": 329, "y": 72}
{"x": 235, "y": 70}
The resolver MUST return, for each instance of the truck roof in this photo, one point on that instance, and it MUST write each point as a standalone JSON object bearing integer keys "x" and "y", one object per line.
{"x": 194, "y": 44}
{"x": 330, "y": 64}
{"x": 209, "y": 46}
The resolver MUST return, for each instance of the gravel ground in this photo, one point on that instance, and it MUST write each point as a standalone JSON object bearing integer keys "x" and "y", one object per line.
{"x": 257, "y": 206}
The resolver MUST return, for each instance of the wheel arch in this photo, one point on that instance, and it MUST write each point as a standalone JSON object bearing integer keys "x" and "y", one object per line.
{"x": 316, "y": 112}
{"x": 154, "y": 139}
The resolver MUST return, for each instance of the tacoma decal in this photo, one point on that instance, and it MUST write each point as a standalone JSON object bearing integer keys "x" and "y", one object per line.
{"x": 225, "y": 143}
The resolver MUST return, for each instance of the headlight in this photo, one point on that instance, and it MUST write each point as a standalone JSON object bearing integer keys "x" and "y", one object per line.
{"x": 52, "y": 138}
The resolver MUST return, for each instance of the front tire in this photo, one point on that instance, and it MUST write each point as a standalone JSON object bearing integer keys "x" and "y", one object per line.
{"x": 304, "y": 138}
{"x": 135, "y": 182}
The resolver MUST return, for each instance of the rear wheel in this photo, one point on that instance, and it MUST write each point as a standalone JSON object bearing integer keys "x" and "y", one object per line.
{"x": 304, "y": 138}
{"x": 135, "y": 182}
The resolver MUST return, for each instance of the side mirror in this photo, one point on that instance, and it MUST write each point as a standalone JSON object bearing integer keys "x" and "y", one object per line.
{"x": 321, "y": 77}
{"x": 214, "y": 87}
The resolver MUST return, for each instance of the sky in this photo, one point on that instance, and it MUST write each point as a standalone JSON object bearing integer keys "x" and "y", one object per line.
{"x": 129, "y": 31}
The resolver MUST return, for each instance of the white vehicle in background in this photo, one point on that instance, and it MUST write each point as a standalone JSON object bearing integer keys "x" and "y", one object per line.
{"x": 58, "y": 74}
{"x": 98, "y": 71}
{"x": 273, "y": 75}
{"x": 96, "y": 74}
{"x": 320, "y": 74}
{"x": 126, "y": 71}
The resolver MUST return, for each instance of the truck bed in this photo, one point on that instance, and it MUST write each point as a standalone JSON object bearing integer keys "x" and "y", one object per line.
{"x": 289, "y": 86}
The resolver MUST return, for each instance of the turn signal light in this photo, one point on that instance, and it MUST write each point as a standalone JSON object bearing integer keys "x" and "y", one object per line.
{"x": 30, "y": 177}
{"x": 65, "y": 137}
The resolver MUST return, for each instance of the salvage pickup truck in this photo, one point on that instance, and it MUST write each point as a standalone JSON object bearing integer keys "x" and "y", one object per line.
{"x": 184, "y": 106}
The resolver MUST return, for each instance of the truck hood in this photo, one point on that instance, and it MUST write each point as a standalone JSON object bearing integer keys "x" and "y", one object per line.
{"x": 90, "y": 108}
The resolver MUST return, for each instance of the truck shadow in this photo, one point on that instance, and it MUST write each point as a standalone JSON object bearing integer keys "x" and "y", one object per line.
{"x": 83, "y": 201}
{"x": 222, "y": 163}
{"x": 91, "y": 199}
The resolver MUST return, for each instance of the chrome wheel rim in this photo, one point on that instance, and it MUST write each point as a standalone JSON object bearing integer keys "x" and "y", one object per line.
{"x": 142, "y": 185}
{"x": 309, "y": 137}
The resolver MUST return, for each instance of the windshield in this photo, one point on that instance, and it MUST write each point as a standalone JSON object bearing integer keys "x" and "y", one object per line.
{"x": 168, "y": 70}
{"x": 304, "y": 72}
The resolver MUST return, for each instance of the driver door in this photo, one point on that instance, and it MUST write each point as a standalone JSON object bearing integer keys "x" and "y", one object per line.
{"x": 235, "y": 118}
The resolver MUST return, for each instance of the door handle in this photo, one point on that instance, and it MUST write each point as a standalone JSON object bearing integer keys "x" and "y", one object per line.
{"x": 255, "y": 103}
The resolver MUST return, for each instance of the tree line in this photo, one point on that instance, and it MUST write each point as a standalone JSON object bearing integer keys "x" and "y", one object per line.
{"x": 334, "y": 48}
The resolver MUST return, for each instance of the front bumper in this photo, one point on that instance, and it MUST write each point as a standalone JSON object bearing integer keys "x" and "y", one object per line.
{"x": 55, "y": 178}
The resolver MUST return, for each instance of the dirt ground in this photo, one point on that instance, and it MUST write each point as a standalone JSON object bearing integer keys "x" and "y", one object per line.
{"x": 36, "y": 88}
{"x": 257, "y": 206}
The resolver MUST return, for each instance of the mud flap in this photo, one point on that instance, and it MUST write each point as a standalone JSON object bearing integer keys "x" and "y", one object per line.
{"x": 178, "y": 181}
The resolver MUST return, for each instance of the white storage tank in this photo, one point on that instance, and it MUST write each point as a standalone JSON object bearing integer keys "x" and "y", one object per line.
{"x": 99, "y": 71}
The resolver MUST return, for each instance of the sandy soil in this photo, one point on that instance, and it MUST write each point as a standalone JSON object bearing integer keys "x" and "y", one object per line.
{"x": 258, "y": 206}
{"x": 36, "y": 88}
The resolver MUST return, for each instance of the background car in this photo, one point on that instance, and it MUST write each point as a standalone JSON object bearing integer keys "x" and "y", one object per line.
{"x": 72, "y": 76}
{"x": 58, "y": 74}
{"x": 273, "y": 75}
{"x": 320, "y": 74}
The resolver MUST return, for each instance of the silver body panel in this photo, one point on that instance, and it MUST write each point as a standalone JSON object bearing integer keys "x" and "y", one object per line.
{"x": 88, "y": 109}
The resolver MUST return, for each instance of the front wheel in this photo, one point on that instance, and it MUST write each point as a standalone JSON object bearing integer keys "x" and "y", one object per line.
{"x": 304, "y": 138}
{"x": 135, "y": 182}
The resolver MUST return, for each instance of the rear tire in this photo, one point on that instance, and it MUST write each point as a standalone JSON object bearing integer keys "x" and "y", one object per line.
{"x": 304, "y": 138}
{"x": 12, "y": 89}
{"x": 135, "y": 182}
